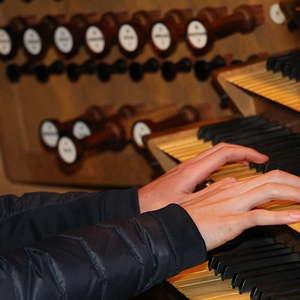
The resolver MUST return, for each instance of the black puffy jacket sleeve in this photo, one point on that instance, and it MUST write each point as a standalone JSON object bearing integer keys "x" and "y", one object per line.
{"x": 34, "y": 216}
{"x": 113, "y": 260}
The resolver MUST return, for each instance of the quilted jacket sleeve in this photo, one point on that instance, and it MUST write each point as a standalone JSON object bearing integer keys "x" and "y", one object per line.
{"x": 108, "y": 261}
{"x": 34, "y": 216}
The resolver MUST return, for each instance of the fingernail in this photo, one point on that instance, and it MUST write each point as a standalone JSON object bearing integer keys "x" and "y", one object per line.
{"x": 294, "y": 215}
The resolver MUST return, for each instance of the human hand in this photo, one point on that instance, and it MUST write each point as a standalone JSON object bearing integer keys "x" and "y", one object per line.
{"x": 225, "y": 210}
{"x": 178, "y": 184}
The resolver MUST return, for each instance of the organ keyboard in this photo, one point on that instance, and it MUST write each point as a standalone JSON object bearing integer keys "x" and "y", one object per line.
{"x": 263, "y": 263}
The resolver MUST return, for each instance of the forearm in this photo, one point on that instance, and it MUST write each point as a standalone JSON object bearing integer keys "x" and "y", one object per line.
{"x": 107, "y": 261}
{"x": 35, "y": 216}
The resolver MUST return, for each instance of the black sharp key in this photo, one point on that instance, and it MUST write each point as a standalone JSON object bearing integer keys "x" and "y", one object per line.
{"x": 266, "y": 291}
{"x": 240, "y": 277}
{"x": 273, "y": 277}
{"x": 248, "y": 141}
{"x": 261, "y": 263}
{"x": 288, "y": 296}
{"x": 276, "y": 165}
{"x": 271, "y": 61}
{"x": 277, "y": 144}
{"x": 241, "y": 133}
{"x": 231, "y": 262}
{"x": 294, "y": 70}
{"x": 277, "y": 62}
{"x": 237, "y": 253}
{"x": 238, "y": 246}
{"x": 279, "y": 160}
{"x": 203, "y": 131}
{"x": 288, "y": 67}
{"x": 297, "y": 76}
{"x": 224, "y": 132}
{"x": 295, "y": 73}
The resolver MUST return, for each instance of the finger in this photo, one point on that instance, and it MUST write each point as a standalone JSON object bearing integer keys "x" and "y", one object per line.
{"x": 221, "y": 146}
{"x": 201, "y": 169}
{"x": 264, "y": 194}
{"x": 261, "y": 217}
{"x": 275, "y": 176}
{"x": 237, "y": 188}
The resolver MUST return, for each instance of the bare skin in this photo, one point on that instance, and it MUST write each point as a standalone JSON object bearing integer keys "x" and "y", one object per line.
{"x": 226, "y": 208}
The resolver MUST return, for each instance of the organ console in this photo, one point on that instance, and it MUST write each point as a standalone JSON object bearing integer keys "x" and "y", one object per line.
{"x": 167, "y": 32}
{"x": 244, "y": 19}
{"x": 133, "y": 34}
{"x": 263, "y": 262}
{"x": 37, "y": 37}
{"x": 137, "y": 70}
{"x": 102, "y": 33}
{"x": 26, "y": 160}
{"x": 11, "y": 37}
{"x": 50, "y": 130}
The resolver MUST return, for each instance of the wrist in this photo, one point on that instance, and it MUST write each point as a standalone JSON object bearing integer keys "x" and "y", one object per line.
{"x": 144, "y": 203}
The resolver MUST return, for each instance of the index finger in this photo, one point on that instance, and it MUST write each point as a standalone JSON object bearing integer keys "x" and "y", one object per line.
{"x": 203, "y": 165}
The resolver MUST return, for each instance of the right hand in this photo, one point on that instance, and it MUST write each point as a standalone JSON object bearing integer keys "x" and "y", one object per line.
{"x": 178, "y": 184}
{"x": 225, "y": 209}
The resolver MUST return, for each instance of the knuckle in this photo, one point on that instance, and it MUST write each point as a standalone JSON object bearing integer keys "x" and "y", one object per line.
{"x": 271, "y": 189}
{"x": 254, "y": 217}
{"x": 223, "y": 145}
{"x": 276, "y": 174}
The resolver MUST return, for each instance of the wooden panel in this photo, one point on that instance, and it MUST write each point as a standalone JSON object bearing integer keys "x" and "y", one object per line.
{"x": 25, "y": 104}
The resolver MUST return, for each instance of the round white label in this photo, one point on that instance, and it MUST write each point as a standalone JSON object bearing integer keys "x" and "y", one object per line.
{"x": 197, "y": 34}
{"x": 276, "y": 14}
{"x": 32, "y": 41}
{"x": 161, "y": 36}
{"x": 5, "y": 42}
{"x": 95, "y": 39}
{"x": 49, "y": 134}
{"x": 67, "y": 150}
{"x": 140, "y": 129}
{"x": 81, "y": 130}
{"x": 128, "y": 38}
{"x": 63, "y": 39}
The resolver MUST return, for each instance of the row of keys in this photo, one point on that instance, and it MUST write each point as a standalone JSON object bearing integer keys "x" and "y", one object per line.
{"x": 105, "y": 71}
{"x": 287, "y": 64}
{"x": 279, "y": 143}
{"x": 104, "y": 128}
{"x": 100, "y": 33}
{"x": 257, "y": 263}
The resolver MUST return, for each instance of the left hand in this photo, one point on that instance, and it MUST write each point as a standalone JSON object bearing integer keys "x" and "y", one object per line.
{"x": 228, "y": 210}
{"x": 178, "y": 184}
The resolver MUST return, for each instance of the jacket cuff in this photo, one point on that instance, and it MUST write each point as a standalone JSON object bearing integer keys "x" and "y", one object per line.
{"x": 189, "y": 245}
{"x": 118, "y": 204}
